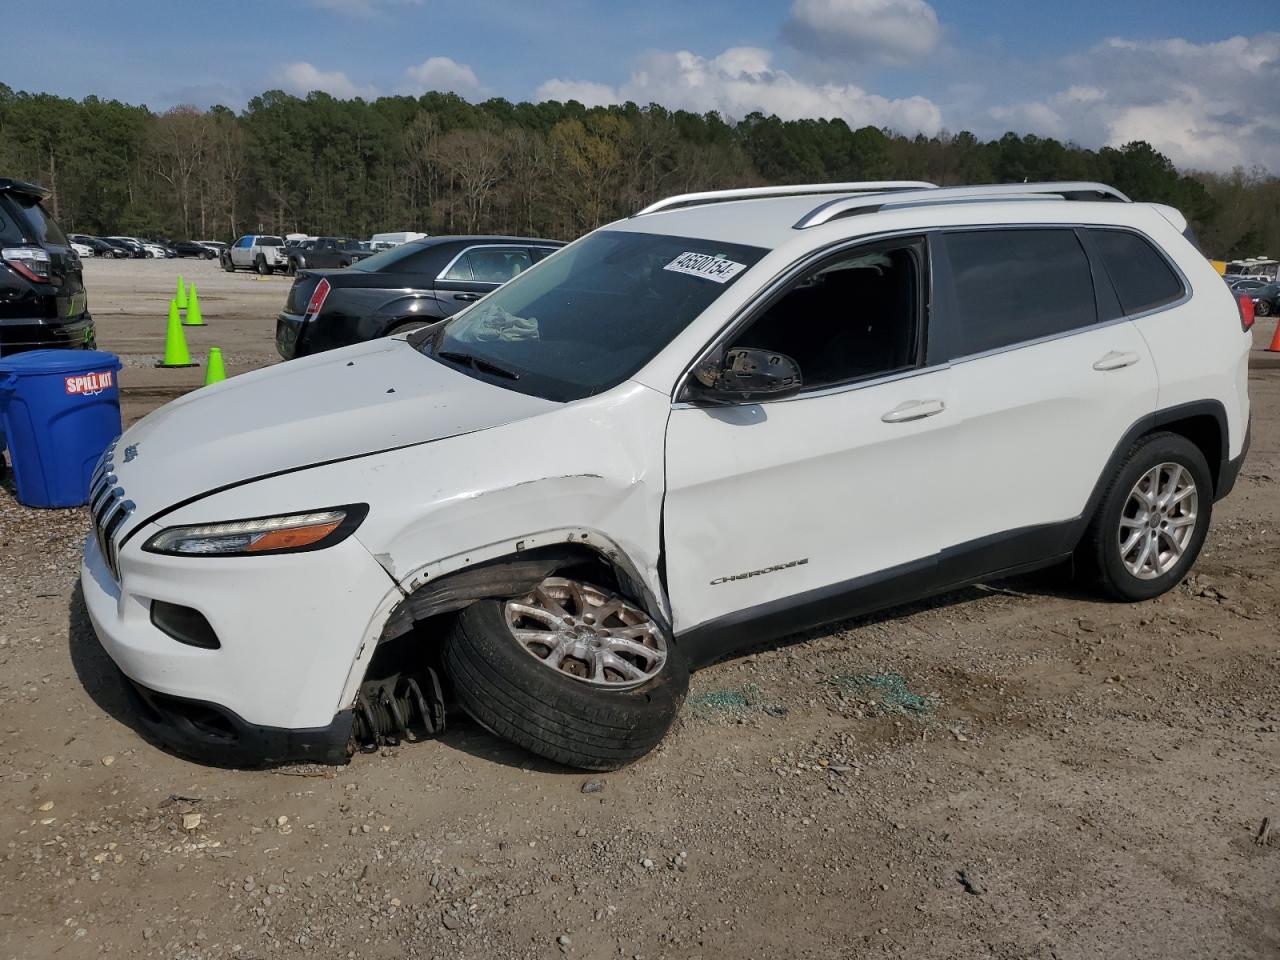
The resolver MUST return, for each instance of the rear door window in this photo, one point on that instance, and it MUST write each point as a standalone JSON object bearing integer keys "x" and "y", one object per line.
{"x": 489, "y": 265}
{"x": 498, "y": 264}
{"x": 1142, "y": 276}
{"x": 1013, "y": 286}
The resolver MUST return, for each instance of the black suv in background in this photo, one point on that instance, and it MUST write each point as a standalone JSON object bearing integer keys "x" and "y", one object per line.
{"x": 193, "y": 248}
{"x": 325, "y": 252}
{"x": 397, "y": 290}
{"x": 42, "y": 296}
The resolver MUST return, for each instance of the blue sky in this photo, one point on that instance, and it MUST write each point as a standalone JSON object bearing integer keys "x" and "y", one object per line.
{"x": 1181, "y": 74}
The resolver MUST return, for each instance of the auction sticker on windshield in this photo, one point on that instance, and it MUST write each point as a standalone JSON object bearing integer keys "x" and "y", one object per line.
{"x": 706, "y": 266}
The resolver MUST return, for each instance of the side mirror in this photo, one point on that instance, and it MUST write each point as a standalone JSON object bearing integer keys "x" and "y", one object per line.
{"x": 747, "y": 373}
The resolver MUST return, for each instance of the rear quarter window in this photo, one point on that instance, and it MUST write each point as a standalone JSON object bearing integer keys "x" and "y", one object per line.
{"x": 43, "y": 229}
{"x": 1141, "y": 275}
{"x": 1012, "y": 286}
{"x": 10, "y": 232}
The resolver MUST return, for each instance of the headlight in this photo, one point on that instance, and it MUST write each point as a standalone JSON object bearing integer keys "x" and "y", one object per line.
{"x": 288, "y": 533}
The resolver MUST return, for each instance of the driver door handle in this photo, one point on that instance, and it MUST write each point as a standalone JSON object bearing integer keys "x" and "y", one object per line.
{"x": 466, "y": 296}
{"x": 914, "y": 410}
{"x": 1116, "y": 360}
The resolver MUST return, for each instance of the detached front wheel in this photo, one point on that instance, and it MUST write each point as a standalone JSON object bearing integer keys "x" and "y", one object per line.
{"x": 571, "y": 672}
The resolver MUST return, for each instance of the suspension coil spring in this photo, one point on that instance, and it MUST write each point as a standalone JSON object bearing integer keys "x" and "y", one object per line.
{"x": 398, "y": 708}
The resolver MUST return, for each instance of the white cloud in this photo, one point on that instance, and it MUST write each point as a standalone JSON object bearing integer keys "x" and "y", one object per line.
{"x": 584, "y": 91}
{"x": 301, "y": 78}
{"x": 444, "y": 74}
{"x": 886, "y": 31}
{"x": 1205, "y": 105}
{"x": 742, "y": 80}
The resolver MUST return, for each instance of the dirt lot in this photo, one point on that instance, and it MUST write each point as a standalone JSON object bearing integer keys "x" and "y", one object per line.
{"x": 1012, "y": 771}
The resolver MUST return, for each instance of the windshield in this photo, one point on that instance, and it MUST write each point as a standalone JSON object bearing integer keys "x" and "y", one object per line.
{"x": 587, "y": 318}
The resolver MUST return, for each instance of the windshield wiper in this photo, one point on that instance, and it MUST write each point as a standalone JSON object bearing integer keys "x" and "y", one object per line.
{"x": 477, "y": 363}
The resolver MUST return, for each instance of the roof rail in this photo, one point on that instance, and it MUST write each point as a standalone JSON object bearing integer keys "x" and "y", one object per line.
{"x": 793, "y": 190}
{"x": 1067, "y": 190}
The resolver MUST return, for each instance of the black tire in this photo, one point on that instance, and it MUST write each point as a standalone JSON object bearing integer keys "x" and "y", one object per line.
{"x": 512, "y": 695}
{"x": 1098, "y": 555}
{"x": 408, "y": 326}
{"x": 1264, "y": 308}
{"x": 227, "y": 265}
{"x": 262, "y": 267}
{"x": 292, "y": 269}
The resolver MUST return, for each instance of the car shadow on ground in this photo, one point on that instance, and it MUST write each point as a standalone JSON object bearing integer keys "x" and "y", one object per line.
{"x": 97, "y": 672}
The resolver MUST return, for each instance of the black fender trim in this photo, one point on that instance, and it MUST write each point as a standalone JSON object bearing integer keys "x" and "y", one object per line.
{"x": 1151, "y": 423}
{"x": 511, "y": 576}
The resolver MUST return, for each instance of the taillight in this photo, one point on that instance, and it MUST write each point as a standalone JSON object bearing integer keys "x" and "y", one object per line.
{"x": 1245, "y": 303}
{"x": 29, "y": 262}
{"x": 317, "y": 297}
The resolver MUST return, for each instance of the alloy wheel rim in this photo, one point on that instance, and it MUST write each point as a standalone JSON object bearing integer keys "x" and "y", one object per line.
{"x": 587, "y": 633}
{"x": 1158, "y": 520}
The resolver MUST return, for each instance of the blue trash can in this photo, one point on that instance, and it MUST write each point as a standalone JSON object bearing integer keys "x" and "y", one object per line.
{"x": 58, "y": 411}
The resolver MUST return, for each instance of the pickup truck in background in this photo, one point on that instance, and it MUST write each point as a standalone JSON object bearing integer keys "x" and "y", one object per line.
{"x": 325, "y": 253}
{"x": 259, "y": 252}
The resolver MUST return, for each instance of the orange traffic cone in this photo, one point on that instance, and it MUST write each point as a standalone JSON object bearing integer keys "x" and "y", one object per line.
{"x": 1275, "y": 341}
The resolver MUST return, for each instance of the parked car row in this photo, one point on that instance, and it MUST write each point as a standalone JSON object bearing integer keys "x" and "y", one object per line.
{"x": 122, "y": 247}
{"x": 1264, "y": 293}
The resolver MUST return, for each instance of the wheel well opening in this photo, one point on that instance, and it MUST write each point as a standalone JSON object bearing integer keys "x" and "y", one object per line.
{"x": 1205, "y": 432}
{"x": 425, "y": 612}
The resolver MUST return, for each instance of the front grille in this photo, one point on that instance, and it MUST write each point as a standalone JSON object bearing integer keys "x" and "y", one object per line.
{"x": 108, "y": 508}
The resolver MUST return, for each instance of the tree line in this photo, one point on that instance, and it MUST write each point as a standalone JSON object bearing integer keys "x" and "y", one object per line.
{"x": 437, "y": 163}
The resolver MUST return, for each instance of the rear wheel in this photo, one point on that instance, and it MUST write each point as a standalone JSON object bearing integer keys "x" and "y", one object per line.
{"x": 571, "y": 672}
{"x": 1152, "y": 521}
{"x": 263, "y": 268}
{"x": 1264, "y": 308}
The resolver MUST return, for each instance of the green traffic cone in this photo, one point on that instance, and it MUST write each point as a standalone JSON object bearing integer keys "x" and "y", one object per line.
{"x": 194, "y": 317}
{"x": 215, "y": 372}
{"x": 181, "y": 298}
{"x": 175, "y": 342}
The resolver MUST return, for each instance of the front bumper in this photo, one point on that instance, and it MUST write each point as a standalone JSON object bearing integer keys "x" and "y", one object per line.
{"x": 290, "y": 629}
{"x": 211, "y": 733}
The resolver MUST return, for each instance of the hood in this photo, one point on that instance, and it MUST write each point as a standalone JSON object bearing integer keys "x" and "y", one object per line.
{"x": 334, "y": 406}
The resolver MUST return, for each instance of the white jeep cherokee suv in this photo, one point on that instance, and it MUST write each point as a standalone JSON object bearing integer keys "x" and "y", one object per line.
{"x": 723, "y": 420}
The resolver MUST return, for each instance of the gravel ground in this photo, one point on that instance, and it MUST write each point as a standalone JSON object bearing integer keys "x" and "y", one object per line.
{"x": 1013, "y": 771}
